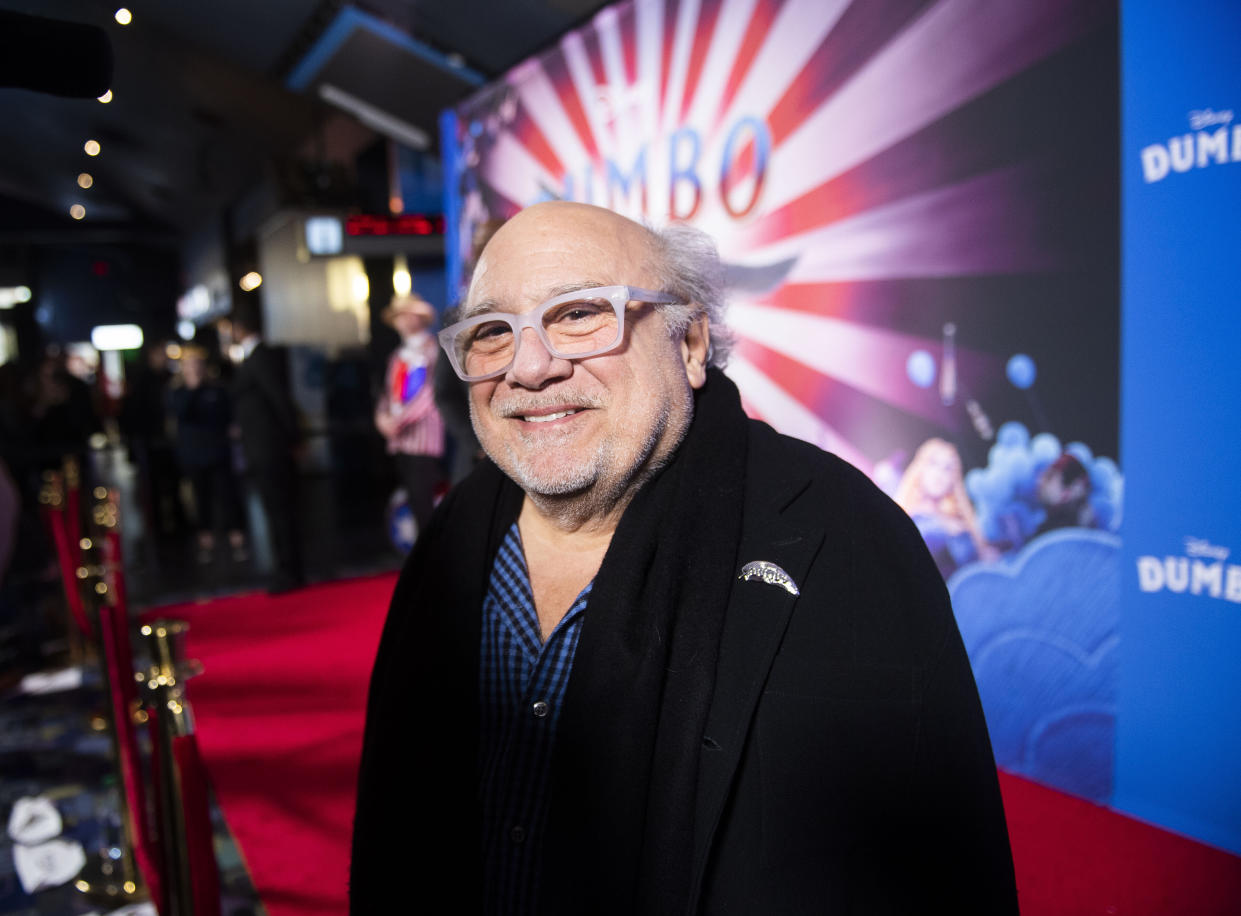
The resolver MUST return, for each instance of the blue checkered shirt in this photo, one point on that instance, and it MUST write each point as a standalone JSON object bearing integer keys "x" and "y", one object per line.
{"x": 522, "y": 684}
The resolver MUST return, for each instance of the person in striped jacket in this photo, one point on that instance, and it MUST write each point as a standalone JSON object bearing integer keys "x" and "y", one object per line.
{"x": 406, "y": 415}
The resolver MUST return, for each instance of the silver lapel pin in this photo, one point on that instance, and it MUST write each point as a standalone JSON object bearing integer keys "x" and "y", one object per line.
{"x": 769, "y": 573}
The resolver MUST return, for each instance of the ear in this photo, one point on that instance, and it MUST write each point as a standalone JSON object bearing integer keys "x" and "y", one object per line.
{"x": 694, "y": 349}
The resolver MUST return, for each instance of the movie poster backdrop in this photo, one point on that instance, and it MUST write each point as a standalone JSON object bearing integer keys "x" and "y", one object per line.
{"x": 917, "y": 204}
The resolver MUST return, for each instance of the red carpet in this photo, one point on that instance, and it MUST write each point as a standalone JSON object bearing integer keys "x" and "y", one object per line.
{"x": 279, "y": 712}
{"x": 1073, "y": 857}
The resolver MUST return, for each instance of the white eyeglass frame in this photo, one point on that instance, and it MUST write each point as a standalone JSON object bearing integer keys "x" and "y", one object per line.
{"x": 618, "y": 296}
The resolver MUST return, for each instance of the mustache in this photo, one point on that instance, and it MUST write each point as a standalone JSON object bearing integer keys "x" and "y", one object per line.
{"x": 519, "y": 405}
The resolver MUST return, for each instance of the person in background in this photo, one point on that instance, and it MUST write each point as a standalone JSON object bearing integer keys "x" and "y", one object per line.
{"x": 143, "y": 422}
{"x": 10, "y": 513}
{"x": 406, "y": 415}
{"x": 62, "y": 416}
{"x": 200, "y": 407}
{"x": 451, "y": 394}
{"x": 267, "y": 422}
{"x": 452, "y": 399}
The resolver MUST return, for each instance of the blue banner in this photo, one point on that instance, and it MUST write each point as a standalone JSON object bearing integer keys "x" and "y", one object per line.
{"x": 1178, "y": 752}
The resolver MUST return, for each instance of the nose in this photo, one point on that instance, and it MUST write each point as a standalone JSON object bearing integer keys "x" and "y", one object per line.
{"x": 533, "y": 365}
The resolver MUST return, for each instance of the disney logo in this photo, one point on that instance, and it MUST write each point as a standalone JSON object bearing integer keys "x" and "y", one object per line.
{"x": 1201, "y": 547}
{"x": 1205, "y": 117}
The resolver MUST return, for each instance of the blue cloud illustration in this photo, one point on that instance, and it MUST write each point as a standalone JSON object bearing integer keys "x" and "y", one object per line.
{"x": 1041, "y": 629}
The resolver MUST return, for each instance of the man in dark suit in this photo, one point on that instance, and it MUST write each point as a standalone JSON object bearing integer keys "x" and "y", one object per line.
{"x": 653, "y": 657}
{"x": 270, "y": 438}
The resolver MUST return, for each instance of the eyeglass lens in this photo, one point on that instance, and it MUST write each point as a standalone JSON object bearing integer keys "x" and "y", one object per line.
{"x": 571, "y": 328}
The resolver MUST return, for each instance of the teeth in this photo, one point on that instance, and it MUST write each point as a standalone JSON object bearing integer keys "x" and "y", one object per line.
{"x": 547, "y": 418}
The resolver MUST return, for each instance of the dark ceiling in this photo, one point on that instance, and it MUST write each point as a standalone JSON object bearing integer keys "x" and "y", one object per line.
{"x": 202, "y": 111}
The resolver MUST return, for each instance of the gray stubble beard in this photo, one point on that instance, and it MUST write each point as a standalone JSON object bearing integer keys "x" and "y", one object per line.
{"x": 580, "y": 495}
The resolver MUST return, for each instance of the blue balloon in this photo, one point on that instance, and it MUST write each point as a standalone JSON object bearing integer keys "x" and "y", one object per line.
{"x": 1081, "y": 451}
{"x": 1046, "y": 448}
{"x": 1021, "y": 371}
{"x": 920, "y": 367}
{"x": 1013, "y": 435}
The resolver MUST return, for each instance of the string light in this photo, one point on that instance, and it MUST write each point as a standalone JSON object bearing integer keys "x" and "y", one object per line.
{"x": 77, "y": 211}
{"x": 85, "y": 180}
{"x": 91, "y": 147}
{"x": 124, "y": 16}
{"x": 106, "y": 97}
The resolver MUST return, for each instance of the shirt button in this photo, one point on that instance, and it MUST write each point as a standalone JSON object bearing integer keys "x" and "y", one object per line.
{"x": 540, "y": 709}
{"x": 517, "y": 835}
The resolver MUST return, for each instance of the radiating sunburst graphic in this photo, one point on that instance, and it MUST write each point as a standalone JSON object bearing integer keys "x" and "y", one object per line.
{"x": 867, "y": 169}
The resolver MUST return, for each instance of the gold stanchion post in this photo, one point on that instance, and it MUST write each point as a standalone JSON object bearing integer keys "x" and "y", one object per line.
{"x": 106, "y": 880}
{"x": 185, "y": 832}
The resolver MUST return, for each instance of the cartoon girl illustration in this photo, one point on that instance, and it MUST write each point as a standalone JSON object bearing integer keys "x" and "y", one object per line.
{"x": 932, "y": 492}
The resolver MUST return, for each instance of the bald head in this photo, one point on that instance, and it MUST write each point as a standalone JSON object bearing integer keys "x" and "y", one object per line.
{"x": 679, "y": 258}
{"x": 598, "y": 236}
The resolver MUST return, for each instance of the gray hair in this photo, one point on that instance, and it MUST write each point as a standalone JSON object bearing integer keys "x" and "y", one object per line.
{"x": 689, "y": 268}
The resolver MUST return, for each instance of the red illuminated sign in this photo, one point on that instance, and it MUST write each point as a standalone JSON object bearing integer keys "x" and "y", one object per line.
{"x": 405, "y": 224}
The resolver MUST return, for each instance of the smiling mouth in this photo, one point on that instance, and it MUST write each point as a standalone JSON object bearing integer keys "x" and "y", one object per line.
{"x": 547, "y": 417}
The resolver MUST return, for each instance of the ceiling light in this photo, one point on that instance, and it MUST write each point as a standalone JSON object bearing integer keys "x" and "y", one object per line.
{"x": 124, "y": 16}
{"x": 402, "y": 283}
{"x": 106, "y": 97}
{"x": 91, "y": 147}
{"x": 77, "y": 211}
{"x": 12, "y": 295}
{"x": 85, "y": 180}
{"x": 251, "y": 281}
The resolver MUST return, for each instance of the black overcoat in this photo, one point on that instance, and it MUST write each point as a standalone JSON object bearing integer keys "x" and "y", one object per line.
{"x": 844, "y": 767}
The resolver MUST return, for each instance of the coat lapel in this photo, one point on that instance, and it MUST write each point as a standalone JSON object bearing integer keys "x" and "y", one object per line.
{"x": 756, "y": 619}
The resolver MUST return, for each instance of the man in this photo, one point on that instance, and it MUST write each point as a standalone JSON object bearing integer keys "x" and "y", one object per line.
{"x": 653, "y": 657}
{"x": 202, "y": 414}
{"x": 406, "y": 414}
{"x": 270, "y": 437}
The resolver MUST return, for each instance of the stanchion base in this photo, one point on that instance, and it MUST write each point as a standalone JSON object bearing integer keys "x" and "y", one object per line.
{"x": 99, "y": 887}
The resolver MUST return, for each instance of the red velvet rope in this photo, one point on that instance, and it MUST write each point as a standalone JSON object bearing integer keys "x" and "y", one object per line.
{"x": 118, "y": 656}
{"x": 157, "y": 770}
{"x": 204, "y": 875}
{"x": 112, "y": 562}
{"x": 65, "y": 556}
{"x": 73, "y": 513}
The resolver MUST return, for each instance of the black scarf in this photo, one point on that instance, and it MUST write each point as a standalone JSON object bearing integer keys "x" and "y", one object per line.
{"x": 621, "y": 823}
{"x": 625, "y": 767}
